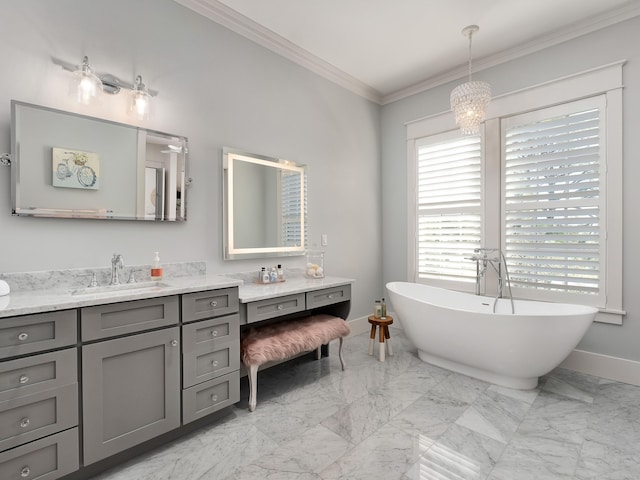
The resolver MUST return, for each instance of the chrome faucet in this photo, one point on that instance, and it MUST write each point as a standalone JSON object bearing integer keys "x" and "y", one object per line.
{"x": 483, "y": 259}
{"x": 116, "y": 262}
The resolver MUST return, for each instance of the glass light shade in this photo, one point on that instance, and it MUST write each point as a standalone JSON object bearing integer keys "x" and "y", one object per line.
{"x": 469, "y": 103}
{"x": 85, "y": 86}
{"x": 140, "y": 101}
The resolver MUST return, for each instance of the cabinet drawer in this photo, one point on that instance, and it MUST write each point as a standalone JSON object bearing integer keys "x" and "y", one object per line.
{"x": 210, "y": 396}
{"x": 36, "y": 333}
{"x": 275, "y": 307}
{"x": 212, "y": 303}
{"x": 210, "y": 333}
{"x": 30, "y": 417}
{"x": 204, "y": 364}
{"x": 25, "y": 376}
{"x": 105, "y": 321}
{"x": 46, "y": 459}
{"x": 328, "y": 296}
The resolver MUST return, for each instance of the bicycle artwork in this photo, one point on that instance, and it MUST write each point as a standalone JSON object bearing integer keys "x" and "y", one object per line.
{"x": 75, "y": 169}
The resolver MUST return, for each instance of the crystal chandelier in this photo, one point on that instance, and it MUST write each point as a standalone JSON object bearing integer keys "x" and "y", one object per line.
{"x": 470, "y": 100}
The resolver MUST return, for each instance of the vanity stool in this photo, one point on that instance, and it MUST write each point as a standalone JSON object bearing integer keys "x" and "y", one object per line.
{"x": 383, "y": 323}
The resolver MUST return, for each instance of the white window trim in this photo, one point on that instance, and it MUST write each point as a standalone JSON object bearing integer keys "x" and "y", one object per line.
{"x": 607, "y": 80}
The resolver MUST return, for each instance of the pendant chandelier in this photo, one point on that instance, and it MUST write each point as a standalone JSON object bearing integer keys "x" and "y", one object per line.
{"x": 469, "y": 100}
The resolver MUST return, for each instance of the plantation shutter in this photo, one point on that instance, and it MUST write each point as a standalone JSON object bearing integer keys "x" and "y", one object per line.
{"x": 291, "y": 202}
{"x": 449, "y": 189}
{"x": 552, "y": 197}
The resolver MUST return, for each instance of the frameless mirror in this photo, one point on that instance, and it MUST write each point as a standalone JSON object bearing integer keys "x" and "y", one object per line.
{"x": 264, "y": 206}
{"x": 68, "y": 165}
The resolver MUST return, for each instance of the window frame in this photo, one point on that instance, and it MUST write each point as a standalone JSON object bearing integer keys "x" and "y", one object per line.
{"x": 605, "y": 80}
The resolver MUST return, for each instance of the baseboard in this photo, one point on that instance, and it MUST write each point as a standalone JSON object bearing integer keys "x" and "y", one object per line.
{"x": 358, "y": 325}
{"x": 605, "y": 366}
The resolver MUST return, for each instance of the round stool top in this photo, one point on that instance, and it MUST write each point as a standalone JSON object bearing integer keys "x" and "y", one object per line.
{"x": 373, "y": 320}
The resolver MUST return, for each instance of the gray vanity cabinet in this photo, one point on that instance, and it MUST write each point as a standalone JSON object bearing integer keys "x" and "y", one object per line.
{"x": 210, "y": 352}
{"x": 38, "y": 395}
{"x": 130, "y": 384}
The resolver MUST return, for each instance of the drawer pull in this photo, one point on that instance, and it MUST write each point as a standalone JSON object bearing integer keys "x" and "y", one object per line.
{"x": 24, "y": 379}
{"x": 214, "y": 363}
{"x": 280, "y": 307}
{"x": 25, "y": 472}
{"x": 24, "y": 423}
{"x": 331, "y": 295}
{"x": 214, "y": 398}
{"x": 23, "y": 336}
{"x": 214, "y": 333}
{"x": 174, "y": 343}
{"x": 214, "y": 303}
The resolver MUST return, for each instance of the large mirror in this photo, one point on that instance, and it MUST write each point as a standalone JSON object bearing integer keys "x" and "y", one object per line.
{"x": 264, "y": 206}
{"x": 68, "y": 165}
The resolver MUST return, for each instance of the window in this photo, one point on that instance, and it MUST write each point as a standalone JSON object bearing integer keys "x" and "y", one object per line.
{"x": 449, "y": 197}
{"x": 542, "y": 181}
{"x": 552, "y": 202}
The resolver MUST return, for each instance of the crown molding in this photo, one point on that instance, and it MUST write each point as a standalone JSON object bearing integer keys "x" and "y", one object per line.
{"x": 238, "y": 23}
{"x": 242, "y": 25}
{"x": 575, "y": 30}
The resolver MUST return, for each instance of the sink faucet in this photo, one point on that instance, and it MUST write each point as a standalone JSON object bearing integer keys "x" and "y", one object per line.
{"x": 116, "y": 262}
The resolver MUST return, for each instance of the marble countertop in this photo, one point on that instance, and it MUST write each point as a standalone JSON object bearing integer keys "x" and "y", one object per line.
{"x": 251, "y": 292}
{"x": 52, "y": 299}
{"x": 38, "y": 301}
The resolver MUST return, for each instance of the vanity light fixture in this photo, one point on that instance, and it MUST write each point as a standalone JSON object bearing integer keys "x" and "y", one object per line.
{"x": 140, "y": 100}
{"x": 87, "y": 85}
{"x": 469, "y": 100}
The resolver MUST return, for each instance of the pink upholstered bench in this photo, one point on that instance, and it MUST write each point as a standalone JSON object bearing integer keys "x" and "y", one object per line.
{"x": 283, "y": 340}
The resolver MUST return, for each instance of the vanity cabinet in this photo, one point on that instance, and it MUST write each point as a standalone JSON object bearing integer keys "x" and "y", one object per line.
{"x": 210, "y": 352}
{"x": 130, "y": 384}
{"x": 39, "y": 396}
{"x": 335, "y": 300}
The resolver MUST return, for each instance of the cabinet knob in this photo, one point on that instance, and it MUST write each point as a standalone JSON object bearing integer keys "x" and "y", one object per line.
{"x": 24, "y": 379}
{"x": 214, "y": 363}
{"x": 24, "y": 423}
{"x": 331, "y": 295}
{"x": 280, "y": 307}
{"x": 214, "y": 333}
{"x": 214, "y": 398}
{"x": 23, "y": 336}
{"x": 174, "y": 343}
{"x": 25, "y": 472}
{"x": 214, "y": 303}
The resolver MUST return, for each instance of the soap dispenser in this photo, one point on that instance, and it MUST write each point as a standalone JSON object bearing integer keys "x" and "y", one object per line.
{"x": 156, "y": 268}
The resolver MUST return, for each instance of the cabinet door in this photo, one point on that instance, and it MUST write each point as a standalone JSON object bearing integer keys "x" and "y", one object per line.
{"x": 130, "y": 392}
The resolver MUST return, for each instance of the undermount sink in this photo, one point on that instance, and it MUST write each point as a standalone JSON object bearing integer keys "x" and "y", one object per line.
{"x": 127, "y": 287}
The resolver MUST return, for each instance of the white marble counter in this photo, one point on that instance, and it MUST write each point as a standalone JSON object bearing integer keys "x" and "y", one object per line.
{"x": 38, "y": 301}
{"x": 251, "y": 292}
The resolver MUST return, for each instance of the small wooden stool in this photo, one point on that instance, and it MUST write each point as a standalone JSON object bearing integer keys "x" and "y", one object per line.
{"x": 383, "y": 323}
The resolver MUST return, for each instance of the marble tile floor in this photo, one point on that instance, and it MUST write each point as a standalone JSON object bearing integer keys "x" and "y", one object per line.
{"x": 407, "y": 420}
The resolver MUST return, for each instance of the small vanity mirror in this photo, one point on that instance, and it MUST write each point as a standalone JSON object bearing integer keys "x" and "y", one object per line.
{"x": 68, "y": 165}
{"x": 264, "y": 206}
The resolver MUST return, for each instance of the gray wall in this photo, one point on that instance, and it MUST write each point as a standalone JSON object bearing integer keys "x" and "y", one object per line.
{"x": 605, "y": 46}
{"x": 216, "y": 88}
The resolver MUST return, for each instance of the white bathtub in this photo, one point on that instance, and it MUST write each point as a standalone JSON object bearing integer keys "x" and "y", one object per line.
{"x": 459, "y": 332}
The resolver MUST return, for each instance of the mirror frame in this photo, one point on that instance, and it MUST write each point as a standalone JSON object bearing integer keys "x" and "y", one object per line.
{"x": 230, "y": 249}
{"x": 144, "y": 178}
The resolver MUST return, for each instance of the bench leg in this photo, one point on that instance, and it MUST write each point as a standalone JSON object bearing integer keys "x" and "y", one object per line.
{"x": 340, "y": 353}
{"x": 319, "y": 352}
{"x": 253, "y": 387}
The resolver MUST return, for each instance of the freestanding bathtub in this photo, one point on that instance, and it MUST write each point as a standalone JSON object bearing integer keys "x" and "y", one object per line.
{"x": 459, "y": 332}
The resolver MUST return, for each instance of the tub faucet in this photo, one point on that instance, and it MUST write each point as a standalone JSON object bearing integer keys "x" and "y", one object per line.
{"x": 116, "y": 262}
{"x": 497, "y": 262}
